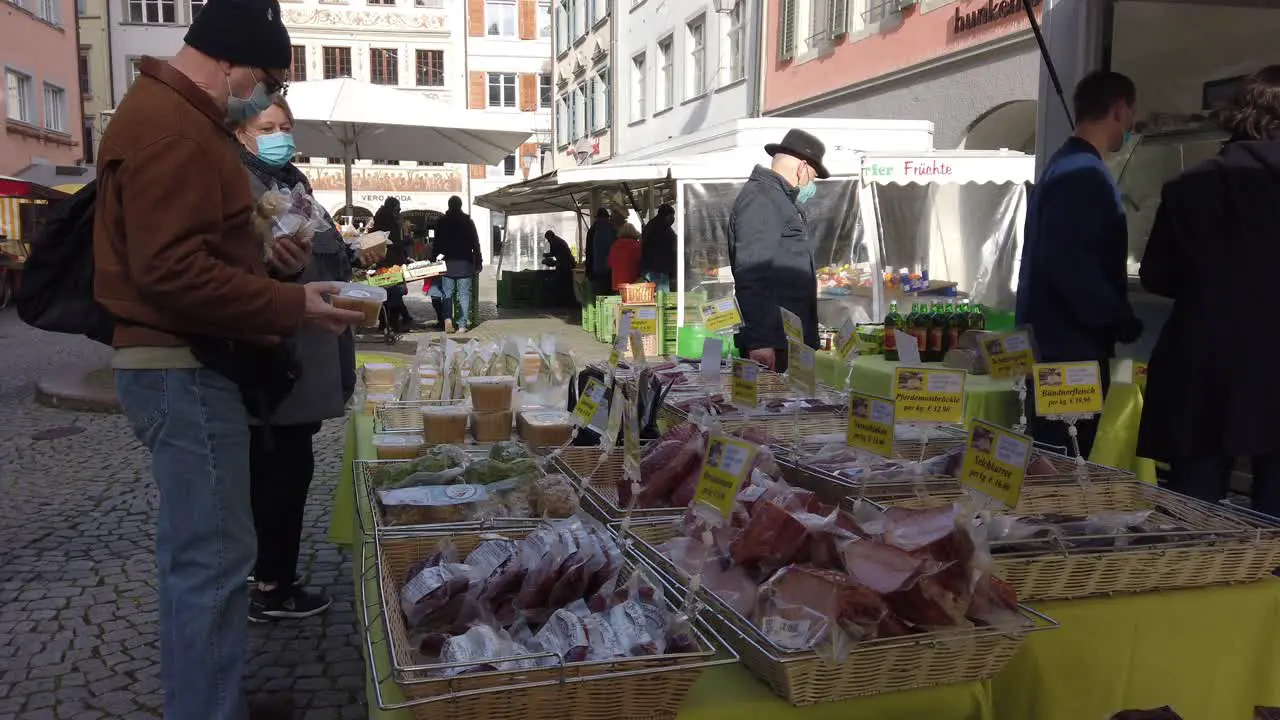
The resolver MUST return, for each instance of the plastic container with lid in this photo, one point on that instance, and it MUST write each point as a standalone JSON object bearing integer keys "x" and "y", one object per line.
{"x": 361, "y": 298}
{"x": 545, "y": 427}
{"x": 374, "y": 399}
{"x": 492, "y": 393}
{"x": 397, "y": 446}
{"x": 444, "y": 424}
{"x": 375, "y": 374}
{"x": 491, "y": 426}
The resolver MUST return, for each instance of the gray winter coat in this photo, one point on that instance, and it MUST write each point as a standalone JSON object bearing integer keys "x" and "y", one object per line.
{"x": 327, "y": 363}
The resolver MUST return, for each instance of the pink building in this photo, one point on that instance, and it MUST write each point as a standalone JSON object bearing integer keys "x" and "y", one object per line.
{"x": 969, "y": 66}
{"x": 41, "y": 105}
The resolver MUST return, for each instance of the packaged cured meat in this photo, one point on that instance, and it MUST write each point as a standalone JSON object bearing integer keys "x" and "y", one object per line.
{"x": 771, "y": 539}
{"x": 495, "y": 570}
{"x": 882, "y": 568}
{"x": 431, "y": 591}
{"x": 564, "y": 634}
{"x": 995, "y": 603}
{"x": 641, "y": 627}
{"x": 433, "y": 504}
{"x": 555, "y": 496}
{"x": 483, "y": 649}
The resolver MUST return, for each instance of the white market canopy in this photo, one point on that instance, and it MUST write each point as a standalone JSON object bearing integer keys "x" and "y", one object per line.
{"x": 345, "y": 117}
{"x": 948, "y": 167}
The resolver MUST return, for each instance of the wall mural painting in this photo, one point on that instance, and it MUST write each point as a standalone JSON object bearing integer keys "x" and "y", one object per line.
{"x": 385, "y": 180}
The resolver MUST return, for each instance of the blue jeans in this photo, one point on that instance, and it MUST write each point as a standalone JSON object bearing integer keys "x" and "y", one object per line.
{"x": 195, "y": 426}
{"x": 461, "y": 289}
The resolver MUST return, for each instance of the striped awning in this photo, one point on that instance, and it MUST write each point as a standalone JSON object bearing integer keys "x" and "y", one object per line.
{"x": 10, "y": 221}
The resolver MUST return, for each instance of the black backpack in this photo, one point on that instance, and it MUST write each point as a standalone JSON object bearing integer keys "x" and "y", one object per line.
{"x": 56, "y": 293}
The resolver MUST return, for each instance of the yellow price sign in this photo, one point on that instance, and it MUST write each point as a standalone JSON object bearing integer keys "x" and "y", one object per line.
{"x": 847, "y": 339}
{"x": 745, "y": 388}
{"x": 727, "y": 463}
{"x": 870, "y": 424}
{"x": 645, "y": 320}
{"x": 802, "y": 372}
{"x": 792, "y": 328}
{"x": 1009, "y": 355}
{"x": 929, "y": 395}
{"x": 1140, "y": 375}
{"x": 1067, "y": 388}
{"x": 722, "y": 315}
{"x": 995, "y": 462}
{"x": 589, "y": 404}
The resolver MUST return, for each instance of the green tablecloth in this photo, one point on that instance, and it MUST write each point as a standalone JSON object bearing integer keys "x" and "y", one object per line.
{"x": 1210, "y": 653}
{"x": 985, "y": 398}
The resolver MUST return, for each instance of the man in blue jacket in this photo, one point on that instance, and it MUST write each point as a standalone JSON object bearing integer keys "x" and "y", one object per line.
{"x": 1072, "y": 285}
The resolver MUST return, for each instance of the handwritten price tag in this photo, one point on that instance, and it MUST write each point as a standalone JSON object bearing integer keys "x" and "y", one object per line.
{"x": 1067, "y": 388}
{"x": 1009, "y": 355}
{"x": 928, "y": 395}
{"x": 746, "y": 383}
{"x": 722, "y": 315}
{"x": 995, "y": 462}
{"x": 726, "y": 466}
{"x": 870, "y": 424}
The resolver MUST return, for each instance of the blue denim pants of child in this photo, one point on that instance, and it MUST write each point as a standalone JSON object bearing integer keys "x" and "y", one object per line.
{"x": 458, "y": 289}
{"x": 195, "y": 426}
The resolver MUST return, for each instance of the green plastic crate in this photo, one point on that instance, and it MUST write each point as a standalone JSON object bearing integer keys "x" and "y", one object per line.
{"x": 589, "y": 318}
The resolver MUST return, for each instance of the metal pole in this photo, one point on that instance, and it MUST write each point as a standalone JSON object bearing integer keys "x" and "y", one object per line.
{"x": 1048, "y": 61}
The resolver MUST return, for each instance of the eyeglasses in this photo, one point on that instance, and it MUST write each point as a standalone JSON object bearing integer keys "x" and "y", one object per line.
{"x": 273, "y": 84}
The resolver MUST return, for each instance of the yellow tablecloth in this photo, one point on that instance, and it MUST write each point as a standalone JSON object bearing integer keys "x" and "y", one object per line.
{"x": 985, "y": 398}
{"x": 1210, "y": 653}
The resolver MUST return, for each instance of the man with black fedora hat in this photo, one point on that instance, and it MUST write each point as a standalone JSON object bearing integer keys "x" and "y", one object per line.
{"x": 199, "y": 331}
{"x": 770, "y": 251}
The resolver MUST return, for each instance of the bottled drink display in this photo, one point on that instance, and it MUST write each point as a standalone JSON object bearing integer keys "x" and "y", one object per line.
{"x": 892, "y": 322}
{"x": 977, "y": 321}
{"x": 957, "y": 319}
{"x": 937, "y": 327}
{"x": 920, "y": 327}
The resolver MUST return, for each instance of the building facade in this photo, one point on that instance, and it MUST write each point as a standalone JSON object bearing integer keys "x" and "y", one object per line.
{"x": 92, "y": 17}
{"x": 583, "y": 68}
{"x": 413, "y": 45}
{"x": 508, "y": 61}
{"x": 683, "y": 67}
{"x": 969, "y": 66}
{"x": 144, "y": 27}
{"x": 41, "y": 103}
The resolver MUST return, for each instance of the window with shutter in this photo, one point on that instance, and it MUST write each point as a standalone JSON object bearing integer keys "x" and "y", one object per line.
{"x": 838, "y": 16}
{"x": 476, "y": 88}
{"x": 786, "y": 29}
{"x": 528, "y": 92}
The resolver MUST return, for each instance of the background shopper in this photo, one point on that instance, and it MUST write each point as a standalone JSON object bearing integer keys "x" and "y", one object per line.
{"x": 600, "y": 238}
{"x": 1209, "y": 397}
{"x": 658, "y": 248}
{"x": 388, "y": 219}
{"x": 459, "y": 244}
{"x": 282, "y": 460}
{"x": 624, "y": 257}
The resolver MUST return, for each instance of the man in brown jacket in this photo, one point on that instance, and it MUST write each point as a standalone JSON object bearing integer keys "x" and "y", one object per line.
{"x": 179, "y": 264}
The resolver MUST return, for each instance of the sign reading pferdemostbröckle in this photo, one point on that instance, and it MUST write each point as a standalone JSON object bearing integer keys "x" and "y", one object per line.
{"x": 928, "y": 395}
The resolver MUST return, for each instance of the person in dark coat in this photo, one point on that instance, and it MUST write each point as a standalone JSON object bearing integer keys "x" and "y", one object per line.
{"x": 771, "y": 252}
{"x": 560, "y": 258}
{"x": 459, "y": 244}
{"x": 1209, "y": 398}
{"x": 1073, "y": 282}
{"x": 600, "y": 237}
{"x": 388, "y": 219}
{"x": 658, "y": 247}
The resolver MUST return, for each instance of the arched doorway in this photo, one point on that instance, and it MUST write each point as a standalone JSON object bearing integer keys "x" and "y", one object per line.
{"x": 1008, "y": 126}
{"x": 353, "y": 215}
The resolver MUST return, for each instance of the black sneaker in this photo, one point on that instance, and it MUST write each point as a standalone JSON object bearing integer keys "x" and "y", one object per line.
{"x": 298, "y": 580}
{"x": 289, "y": 604}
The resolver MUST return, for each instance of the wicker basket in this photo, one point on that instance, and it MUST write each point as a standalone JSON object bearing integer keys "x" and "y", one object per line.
{"x": 638, "y": 293}
{"x": 871, "y": 668}
{"x": 405, "y": 415}
{"x": 1224, "y": 545}
{"x": 652, "y": 687}
{"x": 598, "y": 476}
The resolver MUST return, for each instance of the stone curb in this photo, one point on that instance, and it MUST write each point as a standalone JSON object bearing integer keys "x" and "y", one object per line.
{"x": 72, "y": 388}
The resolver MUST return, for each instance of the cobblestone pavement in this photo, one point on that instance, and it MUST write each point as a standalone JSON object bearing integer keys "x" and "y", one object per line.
{"x": 78, "y": 636}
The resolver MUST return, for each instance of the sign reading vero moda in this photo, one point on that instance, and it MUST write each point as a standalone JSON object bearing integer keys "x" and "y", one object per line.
{"x": 993, "y": 11}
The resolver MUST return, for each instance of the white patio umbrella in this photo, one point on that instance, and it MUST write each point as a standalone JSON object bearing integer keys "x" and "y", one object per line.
{"x": 356, "y": 120}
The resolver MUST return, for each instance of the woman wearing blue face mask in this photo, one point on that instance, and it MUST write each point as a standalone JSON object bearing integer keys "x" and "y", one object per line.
{"x": 281, "y": 457}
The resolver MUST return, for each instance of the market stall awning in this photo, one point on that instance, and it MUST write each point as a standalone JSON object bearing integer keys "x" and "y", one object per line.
{"x": 62, "y": 178}
{"x": 948, "y": 167}
{"x": 12, "y": 187}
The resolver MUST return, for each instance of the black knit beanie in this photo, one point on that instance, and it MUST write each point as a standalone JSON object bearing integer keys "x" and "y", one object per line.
{"x": 248, "y": 33}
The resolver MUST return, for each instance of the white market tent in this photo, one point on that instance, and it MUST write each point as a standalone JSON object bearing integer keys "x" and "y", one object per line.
{"x": 703, "y": 186}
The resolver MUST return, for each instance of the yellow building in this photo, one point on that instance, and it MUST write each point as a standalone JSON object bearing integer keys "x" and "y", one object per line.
{"x": 95, "y": 70}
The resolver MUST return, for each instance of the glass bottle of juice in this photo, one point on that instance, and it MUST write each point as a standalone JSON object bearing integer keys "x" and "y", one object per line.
{"x": 977, "y": 320}
{"x": 920, "y": 327}
{"x": 937, "y": 327}
{"x": 956, "y": 320}
{"x": 892, "y": 321}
